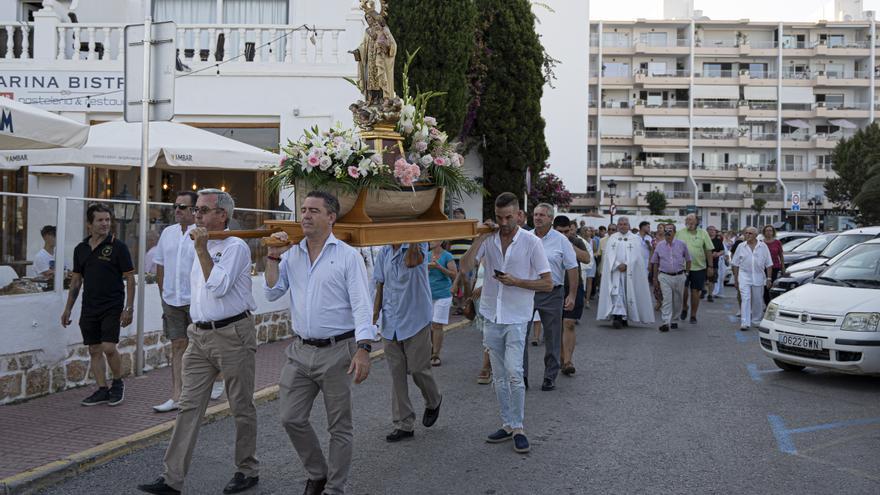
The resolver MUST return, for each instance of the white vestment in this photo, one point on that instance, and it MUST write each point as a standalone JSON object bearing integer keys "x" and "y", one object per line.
{"x": 628, "y": 293}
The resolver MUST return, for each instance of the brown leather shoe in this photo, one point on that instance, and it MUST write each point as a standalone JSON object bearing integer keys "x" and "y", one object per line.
{"x": 315, "y": 487}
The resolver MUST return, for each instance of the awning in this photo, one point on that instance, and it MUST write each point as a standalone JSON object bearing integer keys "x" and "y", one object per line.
{"x": 716, "y": 92}
{"x": 760, "y": 119}
{"x": 843, "y": 123}
{"x": 26, "y": 127}
{"x": 800, "y": 124}
{"x": 665, "y": 150}
{"x": 798, "y": 94}
{"x": 617, "y": 126}
{"x": 715, "y": 121}
{"x": 172, "y": 145}
{"x": 666, "y": 121}
{"x": 760, "y": 93}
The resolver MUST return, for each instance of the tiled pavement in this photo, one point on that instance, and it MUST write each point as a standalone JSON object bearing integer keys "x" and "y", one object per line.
{"x": 51, "y": 428}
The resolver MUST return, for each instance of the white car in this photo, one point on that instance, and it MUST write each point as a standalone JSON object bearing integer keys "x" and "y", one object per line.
{"x": 833, "y": 323}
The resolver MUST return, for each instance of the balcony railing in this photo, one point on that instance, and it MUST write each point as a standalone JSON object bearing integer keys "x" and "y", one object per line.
{"x": 661, "y": 165}
{"x": 717, "y": 73}
{"x": 798, "y": 45}
{"x": 716, "y": 103}
{"x": 849, "y": 44}
{"x": 723, "y": 196}
{"x": 714, "y": 135}
{"x": 680, "y": 42}
{"x": 15, "y": 40}
{"x": 210, "y": 43}
{"x": 665, "y": 104}
{"x": 796, "y": 136}
{"x": 763, "y": 44}
{"x": 718, "y": 44}
{"x": 679, "y": 194}
{"x": 790, "y": 74}
{"x": 617, "y": 104}
{"x": 616, "y": 42}
{"x": 625, "y": 164}
{"x": 765, "y": 136}
{"x": 665, "y": 134}
{"x": 767, "y": 196}
{"x": 762, "y": 74}
{"x": 668, "y": 73}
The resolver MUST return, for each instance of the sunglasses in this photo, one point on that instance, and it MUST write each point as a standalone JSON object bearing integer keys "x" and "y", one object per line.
{"x": 182, "y": 207}
{"x": 204, "y": 210}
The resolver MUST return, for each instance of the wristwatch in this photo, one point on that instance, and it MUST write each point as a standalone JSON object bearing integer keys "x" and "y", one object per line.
{"x": 365, "y": 346}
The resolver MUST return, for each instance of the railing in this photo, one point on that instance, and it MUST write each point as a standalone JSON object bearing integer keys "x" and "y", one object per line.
{"x": 765, "y": 136}
{"x": 796, "y": 136}
{"x": 624, "y": 164}
{"x": 619, "y": 74}
{"x": 763, "y": 44}
{"x": 662, "y": 165}
{"x": 725, "y": 196}
{"x": 717, "y": 73}
{"x": 669, "y": 73}
{"x": 716, "y": 103}
{"x": 862, "y": 74}
{"x": 768, "y": 196}
{"x": 801, "y": 75}
{"x": 678, "y": 194}
{"x": 617, "y": 104}
{"x": 706, "y": 135}
{"x": 679, "y": 42}
{"x": 796, "y": 106}
{"x": 16, "y": 40}
{"x": 666, "y": 104}
{"x": 798, "y": 45}
{"x": 658, "y": 134}
{"x": 717, "y": 167}
{"x": 762, "y": 74}
{"x": 795, "y": 168}
{"x": 762, "y": 105}
{"x": 616, "y": 42}
{"x": 849, "y": 44}
{"x": 718, "y": 44}
{"x": 210, "y": 43}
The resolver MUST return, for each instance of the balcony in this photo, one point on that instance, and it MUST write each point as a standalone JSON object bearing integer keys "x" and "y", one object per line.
{"x": 671, "y": 78}
{"x": 661, "y": 137}
{"x": 717, "y": 77}
{"x": 829, "y": 141}
{"x": 617, "y": 78}
{"x": 679, "y": 198}
{"x": 842, "y": 78}
{"x": 671, "y": 47}
{"x": 800, "y": 139}
{"x": 758, "y": 140}
{"x": 715, "y": 171}
{"x": 720, "y": 199}
{"x": 763, "y": 48}
{"x": 244, "y": 49}
{"x": 717, "y": 47}
{"x": 845, "y": 49}
{"x": 837, "y": 110}
{"x": 715, "y": 138}
{"x": 757, "y": 172}
{"x": 667, "y": 107}
{"x": 617, "y": 108}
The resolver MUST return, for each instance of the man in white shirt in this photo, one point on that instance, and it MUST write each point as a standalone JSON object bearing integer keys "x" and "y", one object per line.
{"x": 44, "y": 260}
{"x": 752, "y": 270}
{"x": 512, "y": 259}
{"x": 222, "y": 338}
{"x": 549, "y": 305}
{"x": 332, "y": 318}
{"x": 174, "y": 255}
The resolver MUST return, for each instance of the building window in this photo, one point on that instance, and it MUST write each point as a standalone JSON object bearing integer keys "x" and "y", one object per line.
{"x": 255, "y": 12}
{"x": 186, "y": 11}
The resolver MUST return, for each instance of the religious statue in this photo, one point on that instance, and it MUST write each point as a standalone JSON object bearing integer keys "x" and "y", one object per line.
{"x": 375, "y": 58}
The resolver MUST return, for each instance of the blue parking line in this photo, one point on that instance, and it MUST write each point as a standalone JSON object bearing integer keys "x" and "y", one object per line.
{"x": 783, "y": 435}
{"x": 742, "y": 337}
{"x": 755, "y": 373}
{"x": 733, "y": 318}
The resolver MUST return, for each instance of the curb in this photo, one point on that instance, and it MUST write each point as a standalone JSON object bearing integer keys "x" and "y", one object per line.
{"x": 80, "y": 462}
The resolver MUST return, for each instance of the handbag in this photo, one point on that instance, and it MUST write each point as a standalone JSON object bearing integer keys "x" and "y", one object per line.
{"x": 469, "y": 310}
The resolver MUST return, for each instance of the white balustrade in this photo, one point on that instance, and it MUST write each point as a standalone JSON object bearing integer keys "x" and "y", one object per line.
{"x": 17, "y": 41}
{"x": 104, "y": 42}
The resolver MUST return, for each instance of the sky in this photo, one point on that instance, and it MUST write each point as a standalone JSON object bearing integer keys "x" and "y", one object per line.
{"x": 755, "y": 10}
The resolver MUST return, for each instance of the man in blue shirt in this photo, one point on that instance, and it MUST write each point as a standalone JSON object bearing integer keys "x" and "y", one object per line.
{"x": 403, "y": 294}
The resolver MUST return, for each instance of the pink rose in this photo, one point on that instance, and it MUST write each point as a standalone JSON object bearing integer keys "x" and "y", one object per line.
{"x": 314, "y": 161}
{"x": 421, "y": 146}
{"x": 440, "y": 161}
{"x": 353, "y": 172}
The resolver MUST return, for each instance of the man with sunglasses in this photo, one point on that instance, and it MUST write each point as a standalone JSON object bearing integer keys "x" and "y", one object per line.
{"x": 174, "y": 257}
{"x": 222, "y": 338}
{"x": 671, "y": 261}
{"x": 752, "y": 270}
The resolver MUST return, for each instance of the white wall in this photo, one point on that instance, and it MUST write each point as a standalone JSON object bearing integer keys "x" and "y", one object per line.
{"x": 564, "y": 108}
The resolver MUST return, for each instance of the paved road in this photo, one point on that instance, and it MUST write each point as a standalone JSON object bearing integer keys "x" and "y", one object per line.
{"x": 698, "y": 410}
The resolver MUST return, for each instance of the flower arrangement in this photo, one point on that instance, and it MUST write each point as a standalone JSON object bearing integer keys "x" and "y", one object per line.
{"x": 429, "y": 156}
{"x": 334, "y": 156}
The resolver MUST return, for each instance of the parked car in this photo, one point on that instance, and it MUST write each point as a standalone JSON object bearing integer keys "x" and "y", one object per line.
{"x": 838, "y": 245}
{"x": 789, "y": 246}
{"x": 833, "y": 323}
{"x": 809, "y": 249}
{"x": 793, "y": 279}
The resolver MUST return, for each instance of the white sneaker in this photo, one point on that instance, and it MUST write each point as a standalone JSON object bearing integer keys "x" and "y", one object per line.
{"x": 217, "y": 391}
{"x": 739, "y": 313}
{"x": 167, "y": 406}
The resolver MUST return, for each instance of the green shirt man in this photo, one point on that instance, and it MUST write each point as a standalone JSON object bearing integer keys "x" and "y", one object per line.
{"x": 698, "y": 242}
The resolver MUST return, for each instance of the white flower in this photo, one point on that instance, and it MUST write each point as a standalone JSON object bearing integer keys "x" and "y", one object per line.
{"x": 431, "y": 121}
{"x": 422, "y": 133}
{"x": 408, "y": 111}
{"x": 377, "y": 159}
{"x": 426, "y": 160}
{"x": 326, "y": 162}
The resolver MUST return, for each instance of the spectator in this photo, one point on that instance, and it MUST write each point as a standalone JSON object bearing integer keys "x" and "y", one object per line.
{"x": 441, "y": 271}
{"x": 776, "y": 254}
{"x": 44, "y": 261}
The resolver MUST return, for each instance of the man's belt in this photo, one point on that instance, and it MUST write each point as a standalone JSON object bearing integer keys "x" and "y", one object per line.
{"x": 328, "y": 342}
{"x": 673, "y": 274}
{"x": 213, "y": 325}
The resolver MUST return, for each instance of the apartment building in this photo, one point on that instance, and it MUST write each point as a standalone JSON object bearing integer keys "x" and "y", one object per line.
{"x": 718, "y": 114}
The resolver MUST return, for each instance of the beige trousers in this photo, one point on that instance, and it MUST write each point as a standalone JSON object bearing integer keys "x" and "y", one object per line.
{"x": 410, "y": 357}
{"x": 310, "y": 370}
{"x": 231, "y": 350}
{"x": 672, "y": 288}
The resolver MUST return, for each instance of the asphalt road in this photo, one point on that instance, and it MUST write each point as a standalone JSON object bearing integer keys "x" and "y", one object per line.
{"x": 697, "y": 410}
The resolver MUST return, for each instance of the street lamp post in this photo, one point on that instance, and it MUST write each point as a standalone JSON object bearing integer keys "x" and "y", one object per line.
{"x": 815, "y": 204}
{"x": 612, "y": 186}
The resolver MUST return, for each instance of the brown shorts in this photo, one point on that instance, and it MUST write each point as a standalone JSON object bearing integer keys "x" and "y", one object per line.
{"x": 175, "y": 319}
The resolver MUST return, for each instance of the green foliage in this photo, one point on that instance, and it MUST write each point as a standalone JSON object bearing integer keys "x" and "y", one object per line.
{"x": 759, "y": 204}
{"x": 858, "y": 177}
{"x": 509, "y": 127}
{"x": 656, "y": 202}
{"x": 443, "y": 33}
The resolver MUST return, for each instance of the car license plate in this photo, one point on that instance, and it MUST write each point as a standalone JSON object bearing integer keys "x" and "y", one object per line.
{"x": 809, "y": 343}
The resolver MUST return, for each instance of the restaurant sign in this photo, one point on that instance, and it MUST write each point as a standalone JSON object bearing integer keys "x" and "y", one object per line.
{"x": 65, "y": 90}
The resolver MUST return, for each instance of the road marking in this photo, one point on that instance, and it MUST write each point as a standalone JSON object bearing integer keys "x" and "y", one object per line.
{"x": 755, "y": 373}
{"x": 742, "y": 337}
{"x": 733, "y": 318}
{"x": 783, "y": 435}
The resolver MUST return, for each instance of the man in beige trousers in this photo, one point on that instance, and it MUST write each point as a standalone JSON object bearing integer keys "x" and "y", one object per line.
{"x": 222, "y": 338}
{"x": 403, "y": 293}
{"x": 331, "y": 311}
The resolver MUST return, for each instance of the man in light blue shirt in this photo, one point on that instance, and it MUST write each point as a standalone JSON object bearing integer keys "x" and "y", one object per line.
{"x": 403, "y": 293}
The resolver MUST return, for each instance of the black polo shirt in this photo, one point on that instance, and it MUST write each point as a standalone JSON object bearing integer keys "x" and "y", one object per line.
{"x": 102, "y": 269}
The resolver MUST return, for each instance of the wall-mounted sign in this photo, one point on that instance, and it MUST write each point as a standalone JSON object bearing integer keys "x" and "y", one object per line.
{"x": 65, "y": 90}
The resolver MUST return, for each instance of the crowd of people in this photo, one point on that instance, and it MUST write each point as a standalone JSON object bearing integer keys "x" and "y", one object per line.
{"x": 512, "y": 280}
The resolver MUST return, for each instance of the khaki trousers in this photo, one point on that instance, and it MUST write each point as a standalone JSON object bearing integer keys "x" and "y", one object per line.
{"x": 310, "y": 370}
{"x": 672, "y": 288}
{"x": 231, "y": 350}
{"x": 410, "y": 357}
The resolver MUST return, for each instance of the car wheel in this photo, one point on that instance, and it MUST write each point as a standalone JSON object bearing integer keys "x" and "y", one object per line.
{"x": 788, "y": 366}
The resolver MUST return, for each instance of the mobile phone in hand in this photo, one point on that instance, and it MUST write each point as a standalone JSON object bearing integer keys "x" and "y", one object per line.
{"x": 499, "y": 273}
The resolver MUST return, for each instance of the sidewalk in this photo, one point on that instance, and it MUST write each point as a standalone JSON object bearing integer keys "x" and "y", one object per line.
{"x": 50, "y": 437}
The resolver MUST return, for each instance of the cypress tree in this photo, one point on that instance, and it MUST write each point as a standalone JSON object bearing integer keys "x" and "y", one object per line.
{"x": 509, "y": 128}
{"x": 443, "y": 34}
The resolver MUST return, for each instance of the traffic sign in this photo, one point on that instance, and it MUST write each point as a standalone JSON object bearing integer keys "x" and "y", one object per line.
{"x": 796, "y": 201}
{"x": 163, "y": 59}
{"x": 614, "y": 209}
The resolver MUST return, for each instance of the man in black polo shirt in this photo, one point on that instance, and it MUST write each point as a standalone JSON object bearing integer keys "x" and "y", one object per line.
{"x": 101, "y": 261}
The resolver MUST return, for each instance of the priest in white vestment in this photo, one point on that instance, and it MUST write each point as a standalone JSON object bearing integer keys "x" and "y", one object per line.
{"x": 625, "y": 294}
